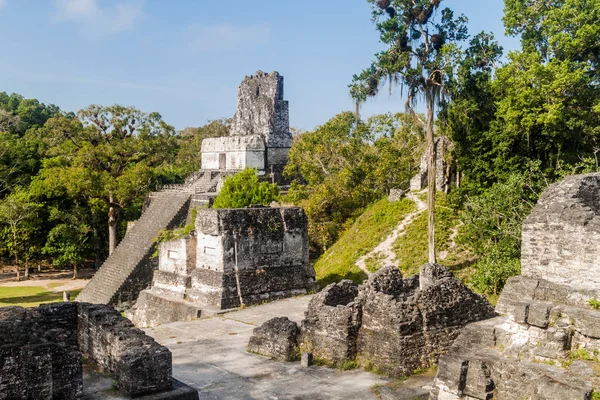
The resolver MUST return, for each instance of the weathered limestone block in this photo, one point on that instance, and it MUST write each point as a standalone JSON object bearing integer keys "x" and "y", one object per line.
{"x": 261, "y": 110}
{"x": 39, "y": 358}
{"x": 276, "y": 338}
{"x": 138, "y": 364}
{"x": 236, "y": 256}
{"x": 330, "y": 327}
{"x": 246, "y": 256}
{"x": 260, "y": 135}
{"x": 391, "y": 337}
{"x": 561, "y": 235}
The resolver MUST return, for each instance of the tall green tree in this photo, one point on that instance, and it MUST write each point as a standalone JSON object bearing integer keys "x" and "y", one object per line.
{"x": 109, "y": 154}
{"x": 70, "y": 239}
{"x": 19, "y": 225}
{"x": 421, "y": 57}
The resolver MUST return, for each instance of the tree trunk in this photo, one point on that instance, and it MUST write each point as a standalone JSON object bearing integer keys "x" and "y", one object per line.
{"x": 356, "y": 115}
{"x": 26, "y": 270}
{"x": 113, "y": 216}
{"x": 75, "y": 271}
{"x": 430, "y": 179}
{"x": 97, "y": 250}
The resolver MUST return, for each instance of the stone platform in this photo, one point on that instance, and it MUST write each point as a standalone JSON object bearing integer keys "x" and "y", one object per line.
{"x": 210, "y": 355}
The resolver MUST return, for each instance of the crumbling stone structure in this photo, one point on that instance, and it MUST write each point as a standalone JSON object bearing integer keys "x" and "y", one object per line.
{"x": 331, "y": 323}
{"x": 390, "y": 324}
{"x": 260, "y": 134}
{"x": 276, "y": 338}
{"x": 259, "y": 138}
{"x": 445, "y": 168}
{"x": 41, "y": 353}
{"x": 235, "y": 257}
{"x": 545, "y": 345}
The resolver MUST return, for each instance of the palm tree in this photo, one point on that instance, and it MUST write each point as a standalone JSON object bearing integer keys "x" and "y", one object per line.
{"x": 421, "y": 55}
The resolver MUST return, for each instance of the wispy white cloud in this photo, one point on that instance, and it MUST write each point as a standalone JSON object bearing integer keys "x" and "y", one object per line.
{"x": 227, "y": 36}
{"x": 97, "y": 19}
{"x": 3, "y": 4}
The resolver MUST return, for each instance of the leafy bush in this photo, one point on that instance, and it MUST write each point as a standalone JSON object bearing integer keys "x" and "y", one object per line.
{"x": 493, "y": 223}
{"x": 244, "y": 189}
{"x": 492, "y": 271}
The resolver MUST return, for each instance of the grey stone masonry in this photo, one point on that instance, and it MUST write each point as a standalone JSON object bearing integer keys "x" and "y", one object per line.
{"x": 41, "y": 352}
{"x": 128, "y": 270}
{"x": 276, "y": 338}
{"x": 259, "y": 135}
{"x": 561, "y": 235}
{"x": 39, "y": 357}
{"x": 235, "y": 257}
{"x": 261, "y": 110}
{"x": 390, "y": 324}
{"x": 331, "y": 323}
{"x": 546, "y": 344}
{"x": 408, "y": 323}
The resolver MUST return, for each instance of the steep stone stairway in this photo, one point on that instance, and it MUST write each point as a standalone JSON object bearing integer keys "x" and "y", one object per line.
{"x": 128, "y": 270}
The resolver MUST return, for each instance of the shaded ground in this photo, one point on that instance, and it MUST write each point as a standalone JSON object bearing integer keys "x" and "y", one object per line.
{"x": 209, "y": 354}
{"x": 7, "y": 274}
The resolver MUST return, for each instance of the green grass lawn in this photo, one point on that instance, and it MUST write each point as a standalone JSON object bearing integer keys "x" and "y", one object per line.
{"x": 370, "y": 229}
{"x": 30, "y": 296}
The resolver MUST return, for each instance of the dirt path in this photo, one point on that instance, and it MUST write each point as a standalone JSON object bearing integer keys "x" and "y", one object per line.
{"x": 384, "y": 250}
{"x": 452, "y": 240}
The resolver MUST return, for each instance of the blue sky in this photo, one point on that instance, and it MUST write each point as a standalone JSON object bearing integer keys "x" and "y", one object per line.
{"x": 186, "y": 58}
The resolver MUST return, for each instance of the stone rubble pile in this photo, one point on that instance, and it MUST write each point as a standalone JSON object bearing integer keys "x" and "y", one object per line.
{"x": 389, "y": 324}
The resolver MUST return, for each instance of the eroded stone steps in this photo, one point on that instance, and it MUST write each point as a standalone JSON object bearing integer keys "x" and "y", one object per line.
{"x": 166, "y": 209}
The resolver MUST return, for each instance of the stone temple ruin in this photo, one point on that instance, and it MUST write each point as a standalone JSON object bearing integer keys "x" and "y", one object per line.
{"x": 41, "y": 352}
{"x": 259, "y": 138}
{"x": 260, "y": 134}
{"x": 235, "y": 257}
{"x": 546, "y": 344}
{"x": 388, "y": 324}
{"x": 445, "y": 167}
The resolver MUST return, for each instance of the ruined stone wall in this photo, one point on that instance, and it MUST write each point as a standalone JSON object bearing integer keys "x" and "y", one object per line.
{"x": 235, "y": 257}
{"x": 545, "y": 345}
{"x": 39, "y": 358}
{"x": 390, "y": 324}
{"x": 41, "y": 352}
{"x": 331, "y": 323}
{"x": 139, "y": 364}
{"x": 561, "y": 235}
{"x": 445, "y": 169}
{"x": 250, "y": 255}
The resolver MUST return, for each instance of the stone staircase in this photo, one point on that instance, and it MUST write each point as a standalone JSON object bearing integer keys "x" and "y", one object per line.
{"x": 128, "y": 270}
{"x": 207, "y": 183}
{"x": 198, "y": 183}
